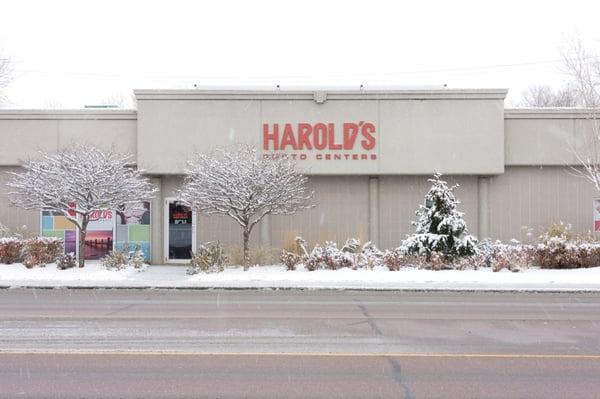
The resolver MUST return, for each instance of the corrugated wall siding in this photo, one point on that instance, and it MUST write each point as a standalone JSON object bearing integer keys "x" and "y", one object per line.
{"x": 529, "y": 199}
{"x": 341, "y": 212}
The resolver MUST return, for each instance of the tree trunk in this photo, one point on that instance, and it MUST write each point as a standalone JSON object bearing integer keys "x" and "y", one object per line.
{"x": 82, "y": 234}
{"x": 246, "y": 249}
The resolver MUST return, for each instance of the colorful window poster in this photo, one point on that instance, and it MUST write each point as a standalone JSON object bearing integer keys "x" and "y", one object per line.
{"x": 55, "y": 224}
{"x": 597, "y": 214}
{"x": 133, "y": 228}
{"x": 99, "y": 237}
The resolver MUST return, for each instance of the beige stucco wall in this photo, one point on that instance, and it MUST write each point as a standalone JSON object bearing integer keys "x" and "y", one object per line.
{"x": 23, "y": 132}
{"x": 453, "y": 131}
{"x": 546, "y": 136}
{"x": 17, "y": 220}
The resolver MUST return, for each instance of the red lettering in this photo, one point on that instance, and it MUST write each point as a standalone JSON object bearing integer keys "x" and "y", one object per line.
{"x": 320, "y": 136}
{"x": 332, "y": 143}
{"x": 304, "y": 131}
{"x": 288, "y": 138}
{"x": 267, "y": 136}
{"x": 367, "y": 131}
{"x": 350, "y": 133}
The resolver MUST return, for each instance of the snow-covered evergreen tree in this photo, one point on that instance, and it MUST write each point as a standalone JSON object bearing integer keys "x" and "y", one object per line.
{"x": 441, "y": 227}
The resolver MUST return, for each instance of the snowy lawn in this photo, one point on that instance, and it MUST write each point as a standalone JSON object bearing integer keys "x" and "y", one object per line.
{"x": 93, "y": 275}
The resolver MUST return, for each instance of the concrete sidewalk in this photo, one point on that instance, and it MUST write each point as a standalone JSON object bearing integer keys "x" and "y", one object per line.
{"x": 276, "y": 277}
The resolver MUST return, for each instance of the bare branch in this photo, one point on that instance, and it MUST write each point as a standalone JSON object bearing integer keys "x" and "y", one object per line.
{"x": 237, "y": 182}
{"x": 584, "y": 70}
{"x": 78, "y": 181}
{"x": 6, "y": 75}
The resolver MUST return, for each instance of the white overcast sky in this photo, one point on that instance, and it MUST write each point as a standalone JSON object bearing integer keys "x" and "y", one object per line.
{"x": 72, "y": 53}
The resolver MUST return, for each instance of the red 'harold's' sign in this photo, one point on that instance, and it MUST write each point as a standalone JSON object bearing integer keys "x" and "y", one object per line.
{"x": 356, "y": 141}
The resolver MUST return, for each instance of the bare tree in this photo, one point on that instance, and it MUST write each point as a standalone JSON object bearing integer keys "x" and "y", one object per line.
{"x": 5, "y": 75}
{"x": 584, "y": 69}
{"x": 77, "y": 183}
{"x": 237, "y": 182}
{"x": 540, "y": 96}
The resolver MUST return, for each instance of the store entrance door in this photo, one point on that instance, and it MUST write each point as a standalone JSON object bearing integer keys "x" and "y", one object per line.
{"x": 180, "y": 231}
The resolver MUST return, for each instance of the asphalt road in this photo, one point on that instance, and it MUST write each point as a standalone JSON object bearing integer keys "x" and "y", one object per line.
{"x": 285, "y": 344}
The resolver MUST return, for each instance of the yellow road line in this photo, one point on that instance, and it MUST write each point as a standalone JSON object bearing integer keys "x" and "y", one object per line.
{"x": 306, "y": 354}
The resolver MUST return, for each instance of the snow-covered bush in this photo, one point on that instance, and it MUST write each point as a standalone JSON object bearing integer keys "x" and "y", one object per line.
{"x": 137, "y": 259}
{"x": 441, "y": 229}
{"x": 351, "y": 245}
{"x": 40, "y": 251}
{"x": 123, "y": 258}
{"x": 11, "y": 249}
{"x": 497, "y": 255}
{"x": 115, "y": 260}
{"x": 395, "y": 259}
{"x": 559, "y": 248}
{"x": 334, "y": 258}
{"x": 66, "y": 261}
{"x": 558, "y": 253}
{"x": 209, "y": 258}
{"x": 290, "y": 259}
{"x": 352, "y": 255}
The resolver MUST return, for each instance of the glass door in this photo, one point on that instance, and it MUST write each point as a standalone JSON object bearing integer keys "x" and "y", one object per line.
{"x": 180, "y": 234}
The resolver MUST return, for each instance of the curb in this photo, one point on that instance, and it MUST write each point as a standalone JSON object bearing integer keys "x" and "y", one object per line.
{"x": 424, "y": 290}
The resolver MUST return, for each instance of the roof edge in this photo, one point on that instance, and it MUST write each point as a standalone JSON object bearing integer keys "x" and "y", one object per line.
{"x": 308, "y": 94}
{"x": 80, "y": 114}
{"x": 550, "y": 113}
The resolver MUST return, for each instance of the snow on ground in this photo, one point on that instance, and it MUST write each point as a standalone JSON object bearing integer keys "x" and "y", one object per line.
{"x": 94, "y": 275}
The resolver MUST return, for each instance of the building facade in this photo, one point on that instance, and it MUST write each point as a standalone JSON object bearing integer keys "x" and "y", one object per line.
{"x": 368, "y": 153}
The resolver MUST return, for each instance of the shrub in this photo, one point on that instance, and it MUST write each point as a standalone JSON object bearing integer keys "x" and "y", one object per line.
{"x": 559, "y": 248}
{"x": 395, "y": 259}
{"x": 557, "y": 253}
{"x": 116, "y": 260}
{"x": 11, "y": 249}
{"x": 66, "y": 261}
{"x": 558, "y": 230}
{"x": 352, "y": 246}
{"x": 121, "y": 259}
{"x": 289, "y": 259}
{"x": 330, "y": 257}
{"x": 40, "y": 251}
{"x": 4, "y": 231}
{"x": 210, "y": 258}
{"x": 334, "y": 258}
{"x": 498, "y": 255}
{"x": 136, "y": 258}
